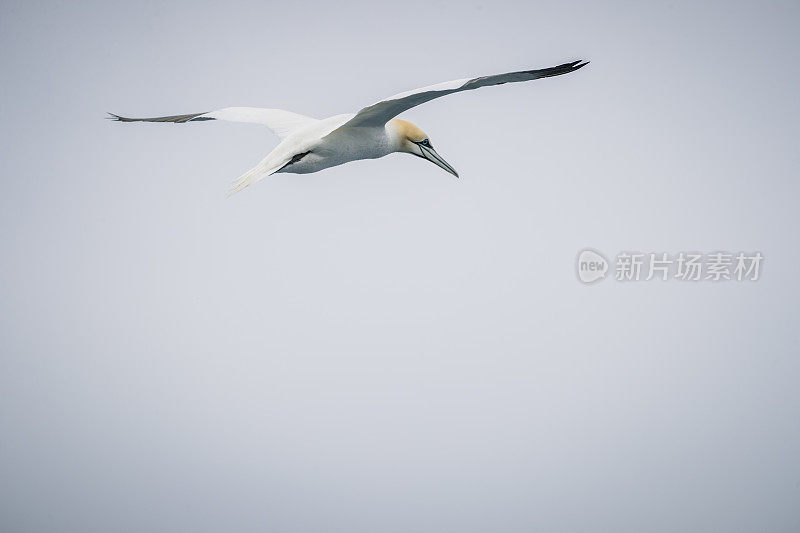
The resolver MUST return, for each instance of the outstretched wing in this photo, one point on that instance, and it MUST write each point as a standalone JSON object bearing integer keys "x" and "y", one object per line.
{"x": 281, "y": 122}
{"x": 380, "y": 113}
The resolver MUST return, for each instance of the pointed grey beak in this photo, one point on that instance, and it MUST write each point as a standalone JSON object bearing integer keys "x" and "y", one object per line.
{"x": 430, "y": 154}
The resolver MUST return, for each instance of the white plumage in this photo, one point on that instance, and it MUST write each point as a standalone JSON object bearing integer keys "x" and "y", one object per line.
{"x": 310, "y": 145}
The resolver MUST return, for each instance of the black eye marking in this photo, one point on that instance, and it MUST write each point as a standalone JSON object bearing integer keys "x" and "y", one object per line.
{"x": 424, "y": 142}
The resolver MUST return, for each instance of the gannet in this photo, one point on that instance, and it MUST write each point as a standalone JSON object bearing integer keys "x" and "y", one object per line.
{"x": 310, "y": 145}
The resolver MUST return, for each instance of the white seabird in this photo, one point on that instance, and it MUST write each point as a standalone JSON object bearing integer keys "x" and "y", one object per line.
{"x": 310, "y": 145}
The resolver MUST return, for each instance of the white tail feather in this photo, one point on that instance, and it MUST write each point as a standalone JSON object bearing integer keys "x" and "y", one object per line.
{"x": 254, "y": 175}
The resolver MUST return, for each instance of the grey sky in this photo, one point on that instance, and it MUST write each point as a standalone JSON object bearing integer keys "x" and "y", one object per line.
{"x": 379, "y": 346}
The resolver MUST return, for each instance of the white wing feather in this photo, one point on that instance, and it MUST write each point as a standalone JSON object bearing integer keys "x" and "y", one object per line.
{"x": 282, "y": 123}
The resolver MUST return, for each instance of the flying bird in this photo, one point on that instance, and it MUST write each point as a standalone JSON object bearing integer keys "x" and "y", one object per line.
{"x": 310, "y": 145}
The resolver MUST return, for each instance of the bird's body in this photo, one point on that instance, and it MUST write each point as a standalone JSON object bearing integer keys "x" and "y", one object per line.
{"x": 329, "y": 150}
{"x": 310, "y": 145}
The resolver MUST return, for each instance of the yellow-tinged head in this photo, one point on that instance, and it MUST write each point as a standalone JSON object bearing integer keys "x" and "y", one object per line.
{"x": 415, "y": 141}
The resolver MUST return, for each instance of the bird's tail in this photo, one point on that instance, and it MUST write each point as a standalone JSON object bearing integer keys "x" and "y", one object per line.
{"x": 255, "y": 174}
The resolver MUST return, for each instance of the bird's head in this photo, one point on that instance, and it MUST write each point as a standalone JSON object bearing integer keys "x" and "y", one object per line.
{"x": 415, "y": 141}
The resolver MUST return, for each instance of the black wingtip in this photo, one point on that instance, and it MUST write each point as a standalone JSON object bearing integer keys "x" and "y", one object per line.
{"x": 565, "y": 68}
{"x": 117, "y": 118}
{"x": 572, "y": 66}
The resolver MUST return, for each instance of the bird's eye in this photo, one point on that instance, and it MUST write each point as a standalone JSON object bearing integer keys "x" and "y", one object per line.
{"x": 426, "y": 142}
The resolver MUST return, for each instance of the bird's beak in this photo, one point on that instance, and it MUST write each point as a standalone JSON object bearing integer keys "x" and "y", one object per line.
{"x": 430, "y": 154}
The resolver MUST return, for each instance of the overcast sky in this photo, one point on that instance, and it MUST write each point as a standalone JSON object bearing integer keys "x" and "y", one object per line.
{"x": 380, "y": 346}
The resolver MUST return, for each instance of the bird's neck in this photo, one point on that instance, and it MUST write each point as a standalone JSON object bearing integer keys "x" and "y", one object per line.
{"x": 396, "y": 135}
